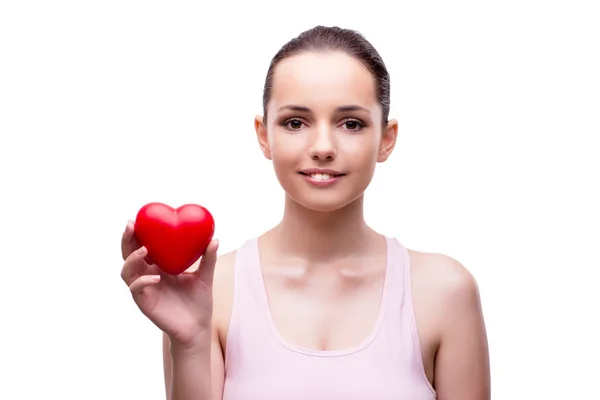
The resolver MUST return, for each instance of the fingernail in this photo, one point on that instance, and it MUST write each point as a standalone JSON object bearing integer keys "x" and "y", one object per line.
{"x": 141, "y": 250}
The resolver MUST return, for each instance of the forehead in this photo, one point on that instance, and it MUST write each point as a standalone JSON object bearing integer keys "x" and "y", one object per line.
{"x": 321, "y": 79}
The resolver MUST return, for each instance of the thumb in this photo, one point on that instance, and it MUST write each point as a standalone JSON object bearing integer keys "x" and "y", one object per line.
{"x": 206, "y": 269}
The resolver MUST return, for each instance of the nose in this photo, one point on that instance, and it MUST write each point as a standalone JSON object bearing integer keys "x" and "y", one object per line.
{"x": 322, "y": 144}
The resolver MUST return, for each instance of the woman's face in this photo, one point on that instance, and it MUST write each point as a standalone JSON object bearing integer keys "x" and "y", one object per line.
{"x": 324, "y": 131}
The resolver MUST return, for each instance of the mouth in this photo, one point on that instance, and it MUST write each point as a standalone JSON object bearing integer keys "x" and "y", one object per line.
{"x": 317, "y": 176}
{"x": 322, "y": 176}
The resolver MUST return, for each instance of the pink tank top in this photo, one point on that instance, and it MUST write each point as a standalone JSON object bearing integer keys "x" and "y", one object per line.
{"x": 261, "y": 365}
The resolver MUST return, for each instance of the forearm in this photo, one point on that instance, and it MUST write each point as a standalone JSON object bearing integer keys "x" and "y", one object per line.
{"x": 191, "y": 376}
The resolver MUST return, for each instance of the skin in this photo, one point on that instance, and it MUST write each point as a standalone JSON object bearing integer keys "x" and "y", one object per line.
{"x": 323, "y": 255}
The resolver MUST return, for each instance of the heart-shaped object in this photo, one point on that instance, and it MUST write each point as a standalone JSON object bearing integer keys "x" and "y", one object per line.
{"x": 175, "y": 237}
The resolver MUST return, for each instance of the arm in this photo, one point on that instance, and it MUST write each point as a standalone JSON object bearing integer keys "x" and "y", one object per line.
{"x": 462, "y": 369}
{"x": 188, "y": 372}
{"x": 203, "y": 370}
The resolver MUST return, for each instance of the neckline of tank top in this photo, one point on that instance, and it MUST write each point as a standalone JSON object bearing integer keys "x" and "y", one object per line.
{"x": 392, "y": 260}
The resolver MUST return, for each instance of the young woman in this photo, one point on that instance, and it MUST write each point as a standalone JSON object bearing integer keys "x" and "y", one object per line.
{"x": 321, "y": 306}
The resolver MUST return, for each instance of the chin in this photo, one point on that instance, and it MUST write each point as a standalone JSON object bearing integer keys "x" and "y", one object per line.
{"x": 331, "y": 199}
{"x": 323, "y": 202}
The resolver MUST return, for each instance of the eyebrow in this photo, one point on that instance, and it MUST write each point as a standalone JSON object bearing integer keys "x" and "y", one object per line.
{"x": 352, "y": 107}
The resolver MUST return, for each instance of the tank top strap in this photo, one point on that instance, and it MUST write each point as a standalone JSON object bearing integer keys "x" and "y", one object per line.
{"x": 249, "y": 284}
{"x": 402, "y": 277}
{"x": 397, "y": 264}
{"x": 244, "y": 255}
{"x": 247, "y": 323}
{"x": 400, "y": 291}
{"x": 404, "y": 319}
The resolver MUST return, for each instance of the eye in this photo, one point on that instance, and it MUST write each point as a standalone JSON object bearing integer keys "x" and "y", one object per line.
{"x": 353, "y": 125}
{"x": 293, "y": 124}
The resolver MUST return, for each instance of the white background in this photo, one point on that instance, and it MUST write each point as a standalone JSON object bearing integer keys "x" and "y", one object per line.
{"x": 105, "y": 106}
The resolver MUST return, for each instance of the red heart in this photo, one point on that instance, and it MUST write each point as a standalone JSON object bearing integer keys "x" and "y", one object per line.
{"x": 175, "y": 238}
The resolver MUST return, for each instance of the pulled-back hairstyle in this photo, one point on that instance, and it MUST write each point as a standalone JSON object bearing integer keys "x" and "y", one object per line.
{"x": 322, "y": 38}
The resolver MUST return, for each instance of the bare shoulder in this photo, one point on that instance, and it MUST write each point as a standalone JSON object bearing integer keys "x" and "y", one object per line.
{"x": 224, "y": 269}
{"x": 441, "y": 287}
{"x": 223, "y": 280}
{"x": 449, "y": 315}
{"x": 223, "y": 294}
{"x": 447, "y": 279}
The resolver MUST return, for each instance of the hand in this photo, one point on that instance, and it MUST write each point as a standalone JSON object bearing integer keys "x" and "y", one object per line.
{"x": 181, "y": 305}
{"x": 129, "y": 244}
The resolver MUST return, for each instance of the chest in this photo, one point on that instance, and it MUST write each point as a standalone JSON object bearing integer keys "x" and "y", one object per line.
{"x": 326, "y": 312}
{"x": 326, "y": 382}
{"x": 319, "y": 327}
{"x": 377, "y": 369}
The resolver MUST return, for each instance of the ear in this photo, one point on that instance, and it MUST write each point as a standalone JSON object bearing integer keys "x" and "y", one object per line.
{"x": 261, "y": 135}
{"x": 388, "y": 140}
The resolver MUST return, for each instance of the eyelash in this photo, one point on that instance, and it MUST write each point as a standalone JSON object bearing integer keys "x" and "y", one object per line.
{"x": 360, "y": 124}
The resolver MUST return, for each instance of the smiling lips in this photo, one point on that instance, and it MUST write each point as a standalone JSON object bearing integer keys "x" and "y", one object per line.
{"x": 321, "y": 177}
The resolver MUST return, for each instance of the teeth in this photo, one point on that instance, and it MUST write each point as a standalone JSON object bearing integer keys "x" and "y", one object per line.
{"x": 320, "y": 177}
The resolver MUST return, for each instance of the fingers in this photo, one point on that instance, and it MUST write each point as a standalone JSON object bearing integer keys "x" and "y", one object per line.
{"x": 138, "y": 285}
{"x": 128, "y": 242}
{"x": 206, "y": 268}
{"x": 130, "y": 270}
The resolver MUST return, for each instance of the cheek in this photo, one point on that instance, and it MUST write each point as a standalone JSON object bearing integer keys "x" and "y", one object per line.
{"x": 285, "y": 149}
{"x": 361, "y": 152}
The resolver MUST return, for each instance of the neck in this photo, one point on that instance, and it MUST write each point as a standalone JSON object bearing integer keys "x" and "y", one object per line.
{"x": 323, "y": 236}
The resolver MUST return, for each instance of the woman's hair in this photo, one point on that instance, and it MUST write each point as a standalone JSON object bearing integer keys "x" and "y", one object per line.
{"x": 322, "y": 38}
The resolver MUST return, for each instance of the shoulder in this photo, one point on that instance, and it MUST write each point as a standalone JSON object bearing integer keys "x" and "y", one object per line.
{"x": 446, "y": 277}
{"x": 223, "y": 294}
{"x": 223, "y": 282}
{"x": 445, "y": 291}
{"x": 447, "y": 298}
{"x": 224, "y": 267}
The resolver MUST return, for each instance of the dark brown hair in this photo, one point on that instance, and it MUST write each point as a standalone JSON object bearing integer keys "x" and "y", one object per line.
{"x": 322, "y": 38}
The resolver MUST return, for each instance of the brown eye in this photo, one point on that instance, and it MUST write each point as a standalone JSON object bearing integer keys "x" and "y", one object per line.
{"x": 293, "y": 124}
{"x": 353, "y": 125}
